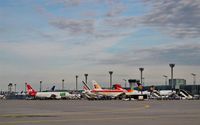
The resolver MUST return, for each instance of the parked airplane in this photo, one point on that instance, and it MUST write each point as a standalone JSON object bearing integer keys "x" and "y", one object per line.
{"x": 136, "y": 94}
{"x": 98, "y": 93}
{"x": 116, "y": 92}
{"x": 49, "y": 95}
{"x": 87, "y": 93}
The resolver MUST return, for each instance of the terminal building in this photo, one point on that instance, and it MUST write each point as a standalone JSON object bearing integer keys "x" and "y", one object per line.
{"x": 177, "y": 83}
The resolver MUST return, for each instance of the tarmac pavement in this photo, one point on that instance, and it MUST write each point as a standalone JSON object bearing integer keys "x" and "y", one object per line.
{"x": 112, "y": 112}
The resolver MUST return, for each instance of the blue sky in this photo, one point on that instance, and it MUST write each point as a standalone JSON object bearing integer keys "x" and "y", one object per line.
{"x": 51, "y": 40}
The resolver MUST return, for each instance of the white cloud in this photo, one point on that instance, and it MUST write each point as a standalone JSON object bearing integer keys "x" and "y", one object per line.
{"x": 74, "y": 27}
{"x": 183, "y": 54}
{"x": 179, "y": 18}
{"x": 67, "y": 3}
{"x": 116, "y": 9}
{"x": 33, "y": 50}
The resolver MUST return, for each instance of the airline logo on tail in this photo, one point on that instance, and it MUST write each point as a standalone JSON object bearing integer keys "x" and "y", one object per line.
{"x": 140, "y": 86}
{"x": 96, "y": 85}
{"x": 30, "y": 90}
{"x": 119, "y": 87}
{"x": 85, "y": 88}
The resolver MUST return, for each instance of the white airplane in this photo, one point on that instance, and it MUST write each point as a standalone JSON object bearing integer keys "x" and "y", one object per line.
{"x": 49, "y": 95}
{"x": 88, "y": 94}
{"x": 98, "y": 93}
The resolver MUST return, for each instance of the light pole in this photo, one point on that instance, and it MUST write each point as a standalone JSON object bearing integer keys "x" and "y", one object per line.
{"x": 125, "y": 82}
{"x": 166, "y": 77}
{"x": 194, "y": 78}
{"x": 110, "y": 72}
{"x": 143, "y": 80}
{"x": 63, "y": 84}
{"x": 40, "y": 86}
{"x": 10, "y": 87}
{"x": 86, "y": 75}
{"x": 15, "y": 87}
{"x": 25, "y": 87}
{"x": 76, "y": 82}
{"x": 141, "y": 70}
{"x": 172, "y": 66}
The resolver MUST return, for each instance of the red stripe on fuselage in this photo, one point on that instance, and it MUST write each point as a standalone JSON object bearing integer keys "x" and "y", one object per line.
{"x": 107, "y": 91}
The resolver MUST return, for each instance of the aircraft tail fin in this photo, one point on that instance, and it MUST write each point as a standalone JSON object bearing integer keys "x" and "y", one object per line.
{"x": 140, "y": 86}
{"x": 118, "y": 86}
{"x": 85, "y": 87}
{"x": 96, "y": 85}
{"x": 53, "y": 88}
{"x": 30, "y": 90}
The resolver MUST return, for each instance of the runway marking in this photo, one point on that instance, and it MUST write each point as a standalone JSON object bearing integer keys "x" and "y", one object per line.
{"x": 147, "y": 106}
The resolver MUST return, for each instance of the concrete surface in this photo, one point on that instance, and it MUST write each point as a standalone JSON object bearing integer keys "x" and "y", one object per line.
{"x": 115, "y": 112}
